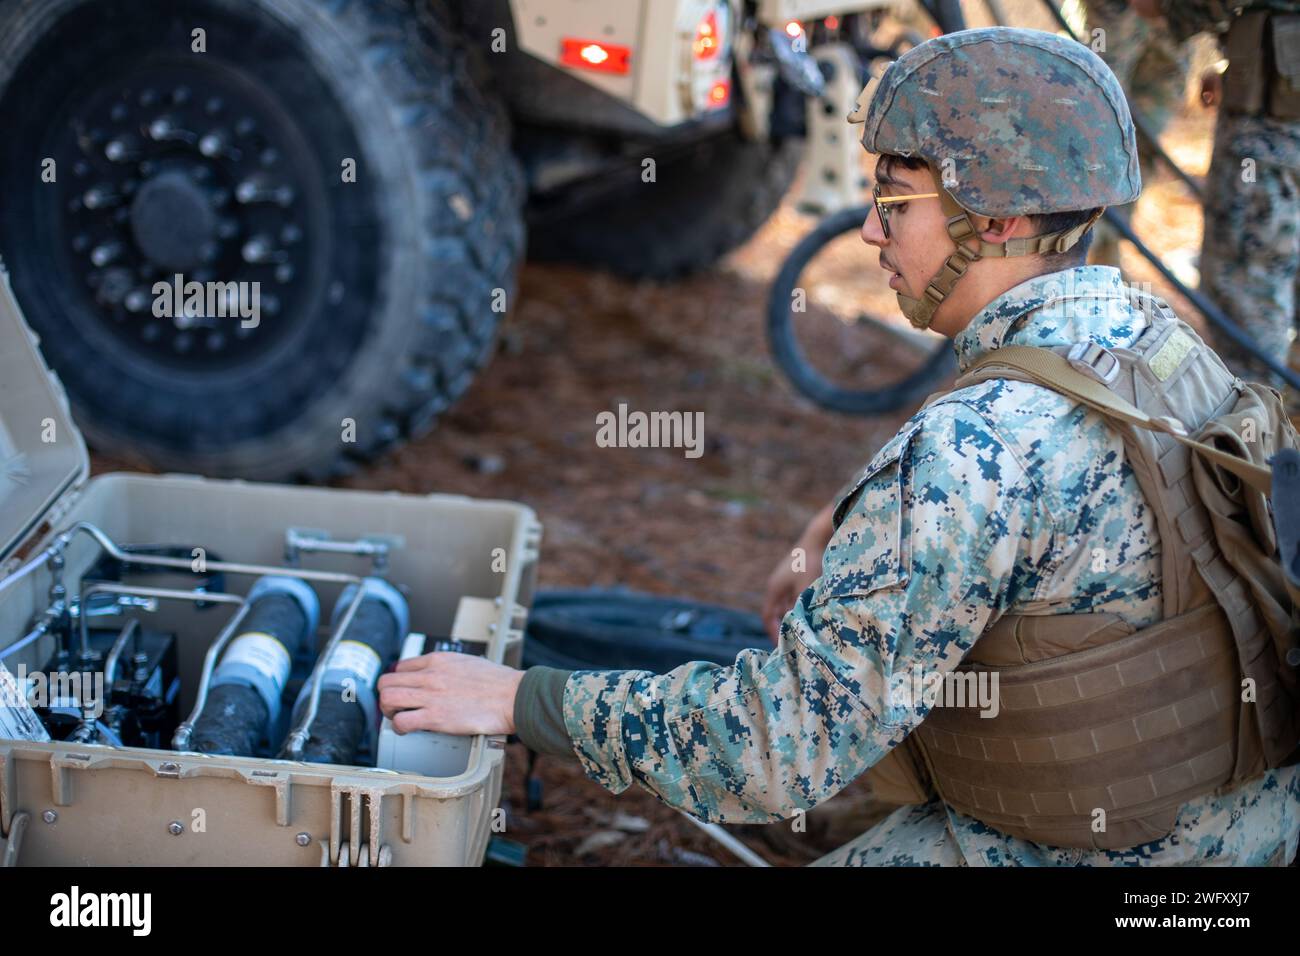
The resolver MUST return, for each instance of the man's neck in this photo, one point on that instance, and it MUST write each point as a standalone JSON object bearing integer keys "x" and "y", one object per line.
{"x": 986, "y": 285}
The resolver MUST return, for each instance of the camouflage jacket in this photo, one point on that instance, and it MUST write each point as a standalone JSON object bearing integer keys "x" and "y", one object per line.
{"x": 988, "y": 501}
{"x": 1186, "y": 18}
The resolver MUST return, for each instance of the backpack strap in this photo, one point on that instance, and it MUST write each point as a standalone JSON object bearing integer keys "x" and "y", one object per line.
{"x": 1052, "y": 371}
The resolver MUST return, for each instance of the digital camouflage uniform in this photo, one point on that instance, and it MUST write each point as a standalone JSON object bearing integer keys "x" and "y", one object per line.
{"x": 1250, "y": 254}
{"x": 990, "y": 501}
{"x": 1001, "y": 498}
{"x": 1152, "y": 68}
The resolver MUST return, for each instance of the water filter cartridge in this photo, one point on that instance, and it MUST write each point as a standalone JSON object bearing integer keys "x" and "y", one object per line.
{"x": 243, "y": 704}
{"x": 347, "y": 714}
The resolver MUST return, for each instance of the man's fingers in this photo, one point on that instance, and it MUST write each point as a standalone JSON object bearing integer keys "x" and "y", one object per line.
{"x": 423, "y": 662}
{"x": 409, "y": 720}
{"x": 395, "y": 699}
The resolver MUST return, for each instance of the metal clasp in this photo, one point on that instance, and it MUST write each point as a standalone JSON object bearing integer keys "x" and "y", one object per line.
{"x": 1094, "y": 361}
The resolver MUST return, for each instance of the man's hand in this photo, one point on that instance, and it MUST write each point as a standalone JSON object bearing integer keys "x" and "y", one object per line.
{"x": 785, "y": 584}
{"x": 451, "y": 693}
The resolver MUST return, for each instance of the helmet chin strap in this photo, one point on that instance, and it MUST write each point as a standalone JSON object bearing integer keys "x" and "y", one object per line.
{"x": 920, "y": 312}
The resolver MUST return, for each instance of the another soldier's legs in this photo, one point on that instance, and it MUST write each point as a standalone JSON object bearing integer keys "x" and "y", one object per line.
{"x": 910, "y": 836}
{"x": 1250, "y": 255}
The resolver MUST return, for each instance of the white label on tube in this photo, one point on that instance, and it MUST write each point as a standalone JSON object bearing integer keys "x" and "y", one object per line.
{"x": 263, "y": 653}
{"x": 357, "y": 659}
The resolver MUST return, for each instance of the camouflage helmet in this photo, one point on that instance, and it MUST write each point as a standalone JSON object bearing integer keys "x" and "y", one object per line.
{"x": 1015, "y": 123}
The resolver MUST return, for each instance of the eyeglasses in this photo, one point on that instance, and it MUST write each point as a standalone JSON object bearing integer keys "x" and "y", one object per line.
{"x": 883, "y": 203}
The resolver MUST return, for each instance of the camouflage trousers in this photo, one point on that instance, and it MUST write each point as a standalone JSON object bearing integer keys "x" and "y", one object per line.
{"x": 1152, "y": 68}
{"x": 1255, "y": 824}
{"x": 1250, "y": 254}
{"x": 910, "y": 836}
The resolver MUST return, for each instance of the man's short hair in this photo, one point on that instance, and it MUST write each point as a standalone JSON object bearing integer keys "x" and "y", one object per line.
{"x": 1076, "y": 255}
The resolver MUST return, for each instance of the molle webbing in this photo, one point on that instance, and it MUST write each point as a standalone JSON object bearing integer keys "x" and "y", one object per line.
{"x": 1098, "y": 748}
{"x": 1094, "y": 715}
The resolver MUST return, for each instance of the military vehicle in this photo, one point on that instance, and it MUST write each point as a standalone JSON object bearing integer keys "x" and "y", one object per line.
{"x": 274, "y": 238}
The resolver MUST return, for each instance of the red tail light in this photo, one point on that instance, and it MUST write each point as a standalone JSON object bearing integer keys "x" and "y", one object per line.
{"x": 708, "y": 38}
{"x": 594, "y": 55}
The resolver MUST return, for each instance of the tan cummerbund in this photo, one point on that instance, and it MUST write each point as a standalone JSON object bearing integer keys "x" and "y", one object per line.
{"x": 1098, "y": 748}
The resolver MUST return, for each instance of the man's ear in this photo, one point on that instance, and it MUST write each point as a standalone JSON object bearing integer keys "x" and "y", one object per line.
{"x": 1000, "y": 230}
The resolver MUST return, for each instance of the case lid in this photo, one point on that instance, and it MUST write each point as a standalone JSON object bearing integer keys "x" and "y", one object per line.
{"x": 42, "y": 453}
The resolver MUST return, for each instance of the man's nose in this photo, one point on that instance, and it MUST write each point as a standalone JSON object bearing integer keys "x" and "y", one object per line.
{"x": 872, "y": 233}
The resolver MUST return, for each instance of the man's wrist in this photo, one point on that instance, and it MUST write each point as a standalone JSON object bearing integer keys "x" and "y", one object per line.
{"x": 538, "y": 712}
{"x": 517, "y": 678}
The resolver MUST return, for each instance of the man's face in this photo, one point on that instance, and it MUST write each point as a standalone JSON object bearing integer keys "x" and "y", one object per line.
{"x": 918, "y": 240}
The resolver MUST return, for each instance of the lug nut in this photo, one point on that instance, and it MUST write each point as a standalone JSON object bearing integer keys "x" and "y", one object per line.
{"x": 258, "y": 250}
{"x": 104, "y": 253}
{"x": 260, "y": 189}
{"x": 303, "y": 839}
{"x": 97, "y": 197}
{"x": 49, "y": 816}
{"x": 175, "y": 828}
{"x": 122, "y": 149}
{"x": 164, "y": 128}
{"x": 213, "y": 144}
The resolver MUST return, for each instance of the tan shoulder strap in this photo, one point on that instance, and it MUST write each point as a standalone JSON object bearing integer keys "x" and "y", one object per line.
{"x": 1052, "y": 371}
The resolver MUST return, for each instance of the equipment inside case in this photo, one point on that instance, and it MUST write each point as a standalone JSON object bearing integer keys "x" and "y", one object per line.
{"x": 170, "y": 642}
{"x": 267, "y": 689}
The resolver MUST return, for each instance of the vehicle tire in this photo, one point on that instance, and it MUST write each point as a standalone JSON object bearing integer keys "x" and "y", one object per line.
{"x": 705, "y": 201}
{"x": 224, "y": 157}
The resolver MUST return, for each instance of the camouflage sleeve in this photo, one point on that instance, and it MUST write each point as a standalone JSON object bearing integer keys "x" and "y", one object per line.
{"x": 936, "y": 540}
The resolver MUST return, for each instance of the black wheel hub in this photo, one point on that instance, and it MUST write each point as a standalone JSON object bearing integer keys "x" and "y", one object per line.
{"x": 180, "y": 169}
{"x": 173, "y": 222}
{"x": 129, "y": 158}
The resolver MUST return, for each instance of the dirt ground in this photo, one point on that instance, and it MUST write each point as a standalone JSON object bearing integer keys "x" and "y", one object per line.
{"x": 578, "y": 343}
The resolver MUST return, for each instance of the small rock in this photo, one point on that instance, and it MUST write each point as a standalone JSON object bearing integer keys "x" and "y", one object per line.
{"x": 599, "y": 840}
{"x": 630, "y": 824}
{"x": 691, "y": 858}
{"x": 486, "y": 464}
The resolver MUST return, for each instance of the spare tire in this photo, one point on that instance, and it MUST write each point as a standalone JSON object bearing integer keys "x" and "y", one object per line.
{"x": 334, "y": 161}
